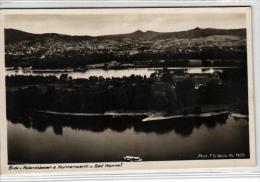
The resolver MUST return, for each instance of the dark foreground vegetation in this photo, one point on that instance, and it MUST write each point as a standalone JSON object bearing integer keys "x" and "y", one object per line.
{"x": 158, "y": 93}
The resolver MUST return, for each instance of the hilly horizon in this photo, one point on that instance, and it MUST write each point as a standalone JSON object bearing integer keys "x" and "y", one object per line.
{"x": 14, "y": 35}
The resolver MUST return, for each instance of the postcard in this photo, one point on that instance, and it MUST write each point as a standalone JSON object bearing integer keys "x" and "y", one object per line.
{"x": 126, "y": 89}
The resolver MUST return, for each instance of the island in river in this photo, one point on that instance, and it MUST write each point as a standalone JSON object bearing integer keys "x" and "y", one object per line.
{"x": 164, "y": 91}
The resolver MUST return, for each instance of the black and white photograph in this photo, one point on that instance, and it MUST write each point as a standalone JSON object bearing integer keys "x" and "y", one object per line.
{"x": 128, "y": 85}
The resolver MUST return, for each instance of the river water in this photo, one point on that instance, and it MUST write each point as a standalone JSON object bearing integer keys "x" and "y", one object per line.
{"x": 44, "y": 138}
{"x": 113, "y": 73}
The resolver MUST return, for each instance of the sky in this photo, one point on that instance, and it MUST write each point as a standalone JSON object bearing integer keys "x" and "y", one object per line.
{"x": 106, "y": 24}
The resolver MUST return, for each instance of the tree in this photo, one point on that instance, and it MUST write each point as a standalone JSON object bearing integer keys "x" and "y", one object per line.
{"x": 185, "y": 92}
{"x": 64, "y": 77}
{"x": 167, "y": 76}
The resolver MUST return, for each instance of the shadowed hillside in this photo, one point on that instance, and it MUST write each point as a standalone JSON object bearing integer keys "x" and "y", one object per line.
{"x": 12, "y": 35}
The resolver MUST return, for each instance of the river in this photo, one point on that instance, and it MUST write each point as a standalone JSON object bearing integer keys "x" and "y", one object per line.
{"x": 45, "y": 138}
{"x": 114, "y": 73}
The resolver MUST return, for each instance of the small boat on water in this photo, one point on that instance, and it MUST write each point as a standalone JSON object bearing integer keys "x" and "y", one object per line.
{"x": 238, "y": 115}
{"x": 132, "y": 159}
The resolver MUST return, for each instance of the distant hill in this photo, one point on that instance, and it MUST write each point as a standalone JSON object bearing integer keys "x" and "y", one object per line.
{"x": 193, "y": 33}
{"x": 12, "y": 35}
{"x": 198, "y": 32}
{"x": 148, "y": 35}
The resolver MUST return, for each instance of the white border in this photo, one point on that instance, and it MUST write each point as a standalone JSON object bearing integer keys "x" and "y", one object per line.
{"x": 206, "y": 172}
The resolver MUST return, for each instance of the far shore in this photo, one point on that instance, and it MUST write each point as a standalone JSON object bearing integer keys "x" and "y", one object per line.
{"x": 144, "y": 67}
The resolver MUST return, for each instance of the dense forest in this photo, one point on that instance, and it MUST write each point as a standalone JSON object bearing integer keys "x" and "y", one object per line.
{"x": 134, "y": 93}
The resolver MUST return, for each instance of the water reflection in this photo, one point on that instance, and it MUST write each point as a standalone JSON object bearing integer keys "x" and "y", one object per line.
{"x": 181, "y": 126}
{"x": 70, "y": 139}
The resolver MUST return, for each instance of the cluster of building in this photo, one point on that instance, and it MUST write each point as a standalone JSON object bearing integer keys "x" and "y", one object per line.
{"x": 125, "y": 46}
{"x": 198, "y": 44}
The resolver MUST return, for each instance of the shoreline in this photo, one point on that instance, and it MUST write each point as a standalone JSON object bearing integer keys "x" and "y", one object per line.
{"x": 147, "y": 67}
{"x": 150, "y": 116}
{"x": 96, "y": 114}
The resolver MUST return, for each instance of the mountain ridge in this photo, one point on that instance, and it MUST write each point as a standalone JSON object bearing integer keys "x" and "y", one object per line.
{"x": 14, "y": 35}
